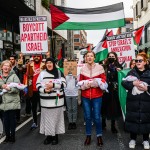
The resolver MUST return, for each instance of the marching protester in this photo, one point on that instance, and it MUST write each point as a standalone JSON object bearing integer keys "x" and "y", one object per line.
{"x": 92, "y": 96}
{"x": 25, "y": 94}
{"x": 111, "y": 106}
{"x": 10, "y": 100}
{"x": 19, "y": 73}
{"x": 132, "y": 63}
{"x": 71, "y": 93}
{"x": 33, "y": 70}
{"x": 137, "y": 119}
{"x": 50, "y": 84}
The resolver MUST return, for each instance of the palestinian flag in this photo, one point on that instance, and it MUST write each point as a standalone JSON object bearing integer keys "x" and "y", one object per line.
{"x": 137, "y": 34}
{"x": 60, "y": 59}
{"x": 101, "y": 49}
{"x": 64, "y": 18}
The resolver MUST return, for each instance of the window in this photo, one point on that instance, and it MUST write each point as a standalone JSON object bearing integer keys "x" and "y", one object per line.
{"x": 76, "y": 47}
{"x": 76, "y": 40}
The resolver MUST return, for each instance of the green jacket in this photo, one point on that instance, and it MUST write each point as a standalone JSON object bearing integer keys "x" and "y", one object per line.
{"x": 10, "y": 99}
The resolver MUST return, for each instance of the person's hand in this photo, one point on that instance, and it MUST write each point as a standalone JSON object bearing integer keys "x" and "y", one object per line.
{"x": 30, "y": 82}
{"x": 4, "y": 86}
{"x": 88, "y": 85}
{"x": 7, "y": 88}
{"x": 118, "y": 69}
{"x": 49, "y": 85}
{"x": 136, "y": 83}
{"x": 142, "y": 88}
{"x": 47, "y": 90}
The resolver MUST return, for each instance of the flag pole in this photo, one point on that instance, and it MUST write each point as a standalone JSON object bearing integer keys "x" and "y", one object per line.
{"x": 52, "y": 44}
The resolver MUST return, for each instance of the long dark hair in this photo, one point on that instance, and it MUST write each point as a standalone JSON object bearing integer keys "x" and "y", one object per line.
{"x": 116, "y": 62}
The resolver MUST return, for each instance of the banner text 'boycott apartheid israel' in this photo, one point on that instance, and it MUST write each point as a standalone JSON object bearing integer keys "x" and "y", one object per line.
{"x": 33, "y": 34}
{"x": 122, "y": 45}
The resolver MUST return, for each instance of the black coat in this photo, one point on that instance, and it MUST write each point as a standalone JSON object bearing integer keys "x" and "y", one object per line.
{"x": 137, "y": 106}
{"x": 111, "y": 105}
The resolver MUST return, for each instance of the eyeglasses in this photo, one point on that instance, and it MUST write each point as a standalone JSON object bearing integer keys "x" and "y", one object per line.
{"x": 139, "y": 60}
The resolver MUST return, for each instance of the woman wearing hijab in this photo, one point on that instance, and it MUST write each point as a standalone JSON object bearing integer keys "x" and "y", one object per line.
{"x": 50, "y": 84}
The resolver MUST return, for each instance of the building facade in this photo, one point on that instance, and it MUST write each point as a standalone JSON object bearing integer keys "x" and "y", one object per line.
{"x": 141, "y": 9}
{"x": 80, "y": 41}
{"x": 127, "y": 28}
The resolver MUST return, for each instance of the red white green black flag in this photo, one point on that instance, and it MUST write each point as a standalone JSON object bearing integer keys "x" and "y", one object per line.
{"x": 64, "y": 18}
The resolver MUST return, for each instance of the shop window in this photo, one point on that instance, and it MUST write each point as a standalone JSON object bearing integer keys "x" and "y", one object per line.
{"x": 76, "y": 47}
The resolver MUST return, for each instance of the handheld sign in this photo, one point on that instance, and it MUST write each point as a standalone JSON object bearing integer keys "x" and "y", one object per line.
{"x": 123, "y": 45}
{"x": 33, "y": 34}
{"x": 70, "y": 66}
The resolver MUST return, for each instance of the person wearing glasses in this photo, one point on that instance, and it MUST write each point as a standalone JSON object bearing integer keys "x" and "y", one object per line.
{"x": 137, "y": 119}
{"x": 111, "y": 106}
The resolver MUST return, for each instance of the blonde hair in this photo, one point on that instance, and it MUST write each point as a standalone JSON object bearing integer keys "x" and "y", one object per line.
{"x": 4, "y": 62}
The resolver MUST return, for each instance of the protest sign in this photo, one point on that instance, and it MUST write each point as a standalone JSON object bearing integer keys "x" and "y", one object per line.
{"x": 70, "y": 66}
{"x": 33, "y": 34}
{"x": 123, "y": 45}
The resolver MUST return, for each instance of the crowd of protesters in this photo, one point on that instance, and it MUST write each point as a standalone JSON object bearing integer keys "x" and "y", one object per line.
{"x": 97, "y": 85}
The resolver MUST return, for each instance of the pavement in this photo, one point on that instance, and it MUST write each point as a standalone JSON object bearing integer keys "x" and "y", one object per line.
{"x": 72, "y": 139}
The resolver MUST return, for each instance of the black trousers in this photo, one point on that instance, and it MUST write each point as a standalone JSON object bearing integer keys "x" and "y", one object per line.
{"x": 133, "y": 136}
{"x": 35, "y": 99}
{"x": 28, "y": 106}
{"x": 9, "y": 118}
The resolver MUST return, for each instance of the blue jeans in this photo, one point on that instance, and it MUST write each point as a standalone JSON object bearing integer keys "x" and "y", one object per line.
{"x": 95, "y": 106}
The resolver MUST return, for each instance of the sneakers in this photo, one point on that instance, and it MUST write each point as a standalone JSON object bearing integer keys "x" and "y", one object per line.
{"x": 146, "y": 144}
{"x": 132, "y": 144}
{"x": 34, "y": 126}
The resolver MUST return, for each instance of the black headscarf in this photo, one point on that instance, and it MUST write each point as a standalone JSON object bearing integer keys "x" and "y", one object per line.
{"x": 54, "y": 71}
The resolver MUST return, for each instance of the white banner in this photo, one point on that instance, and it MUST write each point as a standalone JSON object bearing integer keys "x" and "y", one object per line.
{"x": 33, "y": 34}
{"x": 123, "y": 45}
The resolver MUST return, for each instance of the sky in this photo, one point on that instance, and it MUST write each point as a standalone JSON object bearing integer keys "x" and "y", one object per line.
{"x": 94, "y": 36}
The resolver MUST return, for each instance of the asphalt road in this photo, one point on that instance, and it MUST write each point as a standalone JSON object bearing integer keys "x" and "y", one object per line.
{"x": 72, "y": 139}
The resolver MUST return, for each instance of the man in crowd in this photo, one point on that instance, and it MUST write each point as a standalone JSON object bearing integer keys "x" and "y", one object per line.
{"x": 33, "y": 71}
{"x": 19, "y": 73}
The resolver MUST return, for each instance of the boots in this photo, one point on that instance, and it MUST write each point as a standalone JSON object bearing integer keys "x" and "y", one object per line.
{"x": 87, "y": 140}
{"x": 7, "y": 139}
{"x": 113, "y": 128}
{"x": 74, "y": 126}
{"x": 48, "y": 140}
{"x": 99, "y": 141}
{"x": 12, "y": 139}
{"x": 55, "y": 139}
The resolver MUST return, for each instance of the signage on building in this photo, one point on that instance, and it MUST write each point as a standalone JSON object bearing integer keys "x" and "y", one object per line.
{"x": 123, "y": 45}
{"x": 1, "y": 44}
{"x": 33, "y": 34}
{"x": 70, "y": 66}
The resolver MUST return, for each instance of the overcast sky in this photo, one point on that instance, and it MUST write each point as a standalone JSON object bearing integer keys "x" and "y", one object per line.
{"x": 94, "y": 36}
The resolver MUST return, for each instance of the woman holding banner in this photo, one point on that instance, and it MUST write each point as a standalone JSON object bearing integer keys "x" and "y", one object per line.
{"x": 137, "y": 119}
{"x": 111, "y": 106}
{"x": 92, "y": 96}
